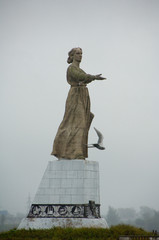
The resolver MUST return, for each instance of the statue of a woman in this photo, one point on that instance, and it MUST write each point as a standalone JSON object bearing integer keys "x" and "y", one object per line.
{"x": 72, "y": 136}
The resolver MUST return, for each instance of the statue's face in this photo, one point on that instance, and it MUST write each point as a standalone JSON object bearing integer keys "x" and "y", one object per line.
{"x": 78, "y": 55}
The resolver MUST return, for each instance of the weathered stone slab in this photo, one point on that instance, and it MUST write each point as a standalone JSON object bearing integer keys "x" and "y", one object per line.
{"x": 47, "y": 223}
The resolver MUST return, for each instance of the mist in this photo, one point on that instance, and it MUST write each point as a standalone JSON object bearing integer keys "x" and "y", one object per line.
{"x": 119, "y": 39}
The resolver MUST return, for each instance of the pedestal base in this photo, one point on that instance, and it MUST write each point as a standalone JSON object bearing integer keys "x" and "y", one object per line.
{"x": 68, "y": 196}
{"x": 47, "y": 223}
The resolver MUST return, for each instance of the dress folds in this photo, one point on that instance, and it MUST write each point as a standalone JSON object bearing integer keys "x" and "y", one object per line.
{"x": 72, "y": 136}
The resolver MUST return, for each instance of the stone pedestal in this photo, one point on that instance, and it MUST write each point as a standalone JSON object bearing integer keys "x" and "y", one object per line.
{"x": 68, "y": 196}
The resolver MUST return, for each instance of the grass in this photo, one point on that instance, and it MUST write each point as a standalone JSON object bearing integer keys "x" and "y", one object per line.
{"x": 112, "y": 233}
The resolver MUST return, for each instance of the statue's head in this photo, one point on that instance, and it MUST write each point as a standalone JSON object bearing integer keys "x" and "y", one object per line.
{"x": 72, "y": 53}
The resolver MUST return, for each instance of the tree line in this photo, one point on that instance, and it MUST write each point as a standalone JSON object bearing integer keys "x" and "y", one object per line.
{"x": 146, "y": 218}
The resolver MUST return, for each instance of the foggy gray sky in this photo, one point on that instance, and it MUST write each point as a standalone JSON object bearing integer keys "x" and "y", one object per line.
{"x": 120, "y": 39}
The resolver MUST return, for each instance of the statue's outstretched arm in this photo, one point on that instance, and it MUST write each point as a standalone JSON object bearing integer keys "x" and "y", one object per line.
{"x": 80, "y": 76}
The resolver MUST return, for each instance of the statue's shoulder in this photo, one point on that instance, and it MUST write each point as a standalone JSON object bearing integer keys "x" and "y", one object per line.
{"x": 69, "y": 68}
{"x": 73, "y": 68}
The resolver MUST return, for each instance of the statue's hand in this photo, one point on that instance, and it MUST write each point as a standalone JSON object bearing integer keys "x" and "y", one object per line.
{"x": 99, "y": 77}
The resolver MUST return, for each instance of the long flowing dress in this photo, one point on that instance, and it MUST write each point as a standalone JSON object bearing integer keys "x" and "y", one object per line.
{"x": 72, "y": 135}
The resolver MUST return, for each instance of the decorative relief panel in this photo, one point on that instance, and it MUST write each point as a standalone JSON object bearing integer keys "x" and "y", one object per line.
{"x": 90, "y": 210}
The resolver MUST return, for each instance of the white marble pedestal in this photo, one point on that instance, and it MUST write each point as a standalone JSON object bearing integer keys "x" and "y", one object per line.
{"x": 68, "y": 196}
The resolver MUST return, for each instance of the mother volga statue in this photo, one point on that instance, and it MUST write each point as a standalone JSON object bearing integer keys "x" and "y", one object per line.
{"x": 72, "y": 135}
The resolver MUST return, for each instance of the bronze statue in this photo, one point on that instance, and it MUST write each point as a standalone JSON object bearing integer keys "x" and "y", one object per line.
{"x": 72, "y": 136}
